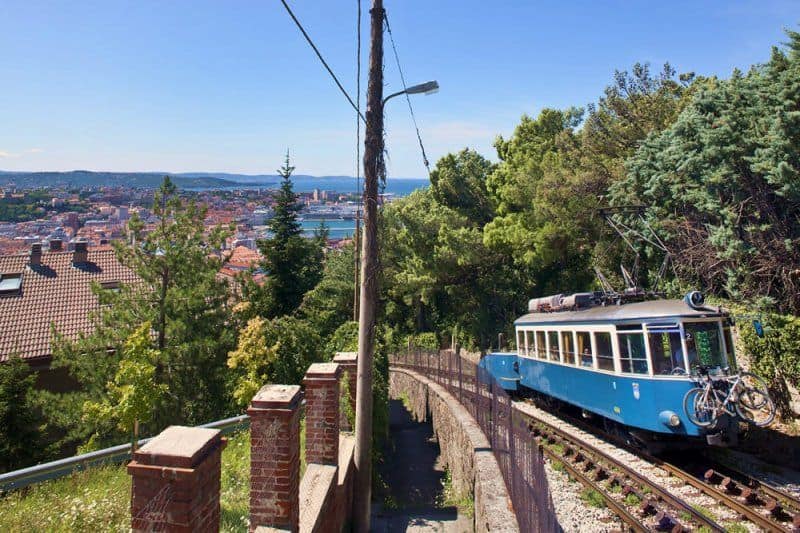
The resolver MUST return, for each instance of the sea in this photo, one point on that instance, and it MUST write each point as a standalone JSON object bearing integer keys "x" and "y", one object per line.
{"x": 343, "y": 229}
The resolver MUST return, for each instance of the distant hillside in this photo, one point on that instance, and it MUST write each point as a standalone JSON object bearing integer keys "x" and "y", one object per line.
{"x": 186, "y": 180}
{"x": 86, "y": 178}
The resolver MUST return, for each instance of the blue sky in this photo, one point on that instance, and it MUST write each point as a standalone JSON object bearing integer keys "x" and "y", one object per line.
{"x": 228, "y": 85}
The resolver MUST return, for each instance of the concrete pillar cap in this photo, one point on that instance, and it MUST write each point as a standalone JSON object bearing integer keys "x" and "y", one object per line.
{"x": 276, "y": 397}
{"x": 345, "y": 357}
{"x": 323, "y": 371}
{"x": 178, "y": 446}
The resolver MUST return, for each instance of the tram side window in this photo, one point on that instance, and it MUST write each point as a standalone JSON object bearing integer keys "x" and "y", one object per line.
{"x": 667, "y": 352}
{"x": 530, "y": 344}
{"x": 552, "y": 339}
{"x": 632, "y": 353}
{"x": 584, "y": 348}
{"x": 542, "y": 346}
{"x": 521, "y": 343}
{"x": 568, "y": 346}
{"x": 605, "y": 352}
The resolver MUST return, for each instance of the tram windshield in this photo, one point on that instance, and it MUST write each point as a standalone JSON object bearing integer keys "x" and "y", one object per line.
{"x": 666, "y": 350}
{"x": 704, "y": 345}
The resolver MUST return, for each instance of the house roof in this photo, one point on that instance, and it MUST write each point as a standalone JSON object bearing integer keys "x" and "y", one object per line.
{"x": 55, "y": 292}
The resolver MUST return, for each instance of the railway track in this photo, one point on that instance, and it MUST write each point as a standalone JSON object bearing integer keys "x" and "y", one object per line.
{"x": 767, "y": 508}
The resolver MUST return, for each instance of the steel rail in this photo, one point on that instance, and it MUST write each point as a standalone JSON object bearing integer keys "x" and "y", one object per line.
{"x": 789, "y": 502}
{"x": 18, "y": 479}
{"x": 710, "y": 490}
{"x": 742, "y": 509}
{"x": 634, "y": 523}
{"x": 656, "y": 489}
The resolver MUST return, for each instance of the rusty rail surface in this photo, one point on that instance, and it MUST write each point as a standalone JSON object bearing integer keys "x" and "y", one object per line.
{"x": 781, "y": 511}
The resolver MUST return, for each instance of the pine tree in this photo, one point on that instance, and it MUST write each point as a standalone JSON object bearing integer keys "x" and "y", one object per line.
{"x": 292, "y": 262}
{"x": 180, "y": 294}
{"x": 19, "y": 437}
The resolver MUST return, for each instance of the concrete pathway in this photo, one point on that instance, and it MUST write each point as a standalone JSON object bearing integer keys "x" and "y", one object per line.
{"x": 414, "y": 475}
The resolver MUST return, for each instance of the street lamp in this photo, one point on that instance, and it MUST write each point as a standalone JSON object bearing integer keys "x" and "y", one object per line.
{"x": 429, "y": 87}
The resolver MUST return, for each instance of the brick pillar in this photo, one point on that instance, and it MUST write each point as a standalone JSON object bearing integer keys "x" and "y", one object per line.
{"x": 275, "y": 457}
{"x": 322, "y": 413}
{"x": 175, "y": 481}
{"x": 349, "y": 363}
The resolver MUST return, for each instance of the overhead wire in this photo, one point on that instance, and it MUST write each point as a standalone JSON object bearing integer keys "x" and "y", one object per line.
{"x": 408, "y": 98}
{"x": 358, "y": 102}
{"x": 322, "y": 59}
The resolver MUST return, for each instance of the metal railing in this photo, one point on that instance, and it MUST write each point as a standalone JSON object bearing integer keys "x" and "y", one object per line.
{"x": 18, "y": 479}
{"x": 509, "y": 432}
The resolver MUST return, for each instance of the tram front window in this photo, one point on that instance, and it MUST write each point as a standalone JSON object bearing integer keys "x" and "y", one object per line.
{"x": 703, "y": 344}
{"x": 667, "y": 352}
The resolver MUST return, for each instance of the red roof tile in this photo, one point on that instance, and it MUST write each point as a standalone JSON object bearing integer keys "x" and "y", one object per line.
{"x": 56, "y": 293}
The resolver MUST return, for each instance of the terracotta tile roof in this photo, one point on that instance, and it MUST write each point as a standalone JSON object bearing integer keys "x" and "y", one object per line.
{"x": 243, "y": 257}
{"x": 55, "y": 293}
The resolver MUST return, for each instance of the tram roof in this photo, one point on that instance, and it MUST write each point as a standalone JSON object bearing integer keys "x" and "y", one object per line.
{"x": 630, "y": 312}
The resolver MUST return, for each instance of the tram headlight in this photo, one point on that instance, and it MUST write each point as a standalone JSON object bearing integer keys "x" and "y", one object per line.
{"x": 669, "y": 418}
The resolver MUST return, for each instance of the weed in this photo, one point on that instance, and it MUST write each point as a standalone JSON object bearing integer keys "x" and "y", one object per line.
{"x": 592, "y": 498}
{"x": 736, "y": 527}
{"x": 703, "y": 511}
{"x": 632, "y": 499}
{"x": 449, "y": 498}
{"x": 558, "y": 466}
{"x": 557, "y": 448}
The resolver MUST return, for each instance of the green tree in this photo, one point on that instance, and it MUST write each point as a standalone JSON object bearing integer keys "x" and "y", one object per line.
{"x": 19, "y": 419}
{"x": 459, "y": 182}
{"x": 330, "y": 304}
{"x": 273, "y": 351}
{"x": 133, "y": 394}
{"x": 721, "y": 184}
{"x": 180, "y": 294}
{"x": 438, "y": 273}
{"x": 292, "y": 262}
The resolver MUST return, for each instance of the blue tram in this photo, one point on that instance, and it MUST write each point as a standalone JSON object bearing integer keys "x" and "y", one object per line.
{"x": 629, "y": 363}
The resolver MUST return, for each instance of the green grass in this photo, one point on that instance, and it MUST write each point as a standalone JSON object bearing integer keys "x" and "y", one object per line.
{"x": 98, "y": 499}
{"x": 592, "y": 498}
{"x": 449, "y": 498}
{"x": 406, "y": 401}
{"x": 94, "y": 500}
{"x": 557, "y": 448}
{"x": 703, "y": 511}
{"x": 736, "y": 527}
{"x": 632, "y": 499}
{"x": 558, "y": 466}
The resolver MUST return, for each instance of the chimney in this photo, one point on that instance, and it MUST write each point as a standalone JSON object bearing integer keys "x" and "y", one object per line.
{"x": 55, "y": 245}
{"x": 81, "y": 254}
{"x": 36, "y": 254}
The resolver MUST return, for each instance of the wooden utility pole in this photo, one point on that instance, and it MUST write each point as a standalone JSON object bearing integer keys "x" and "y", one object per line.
{"x": 356, "y": 262}
{"x": 373, "y": 155}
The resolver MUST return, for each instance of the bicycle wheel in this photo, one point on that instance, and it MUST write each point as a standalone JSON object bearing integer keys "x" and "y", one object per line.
{"x": 758, "y": 416}
{"x": 754, "y": 394}
{"x": 700, "y": 405}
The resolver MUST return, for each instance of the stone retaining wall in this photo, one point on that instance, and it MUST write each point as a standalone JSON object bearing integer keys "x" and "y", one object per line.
{"x": 465, "y": 449}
